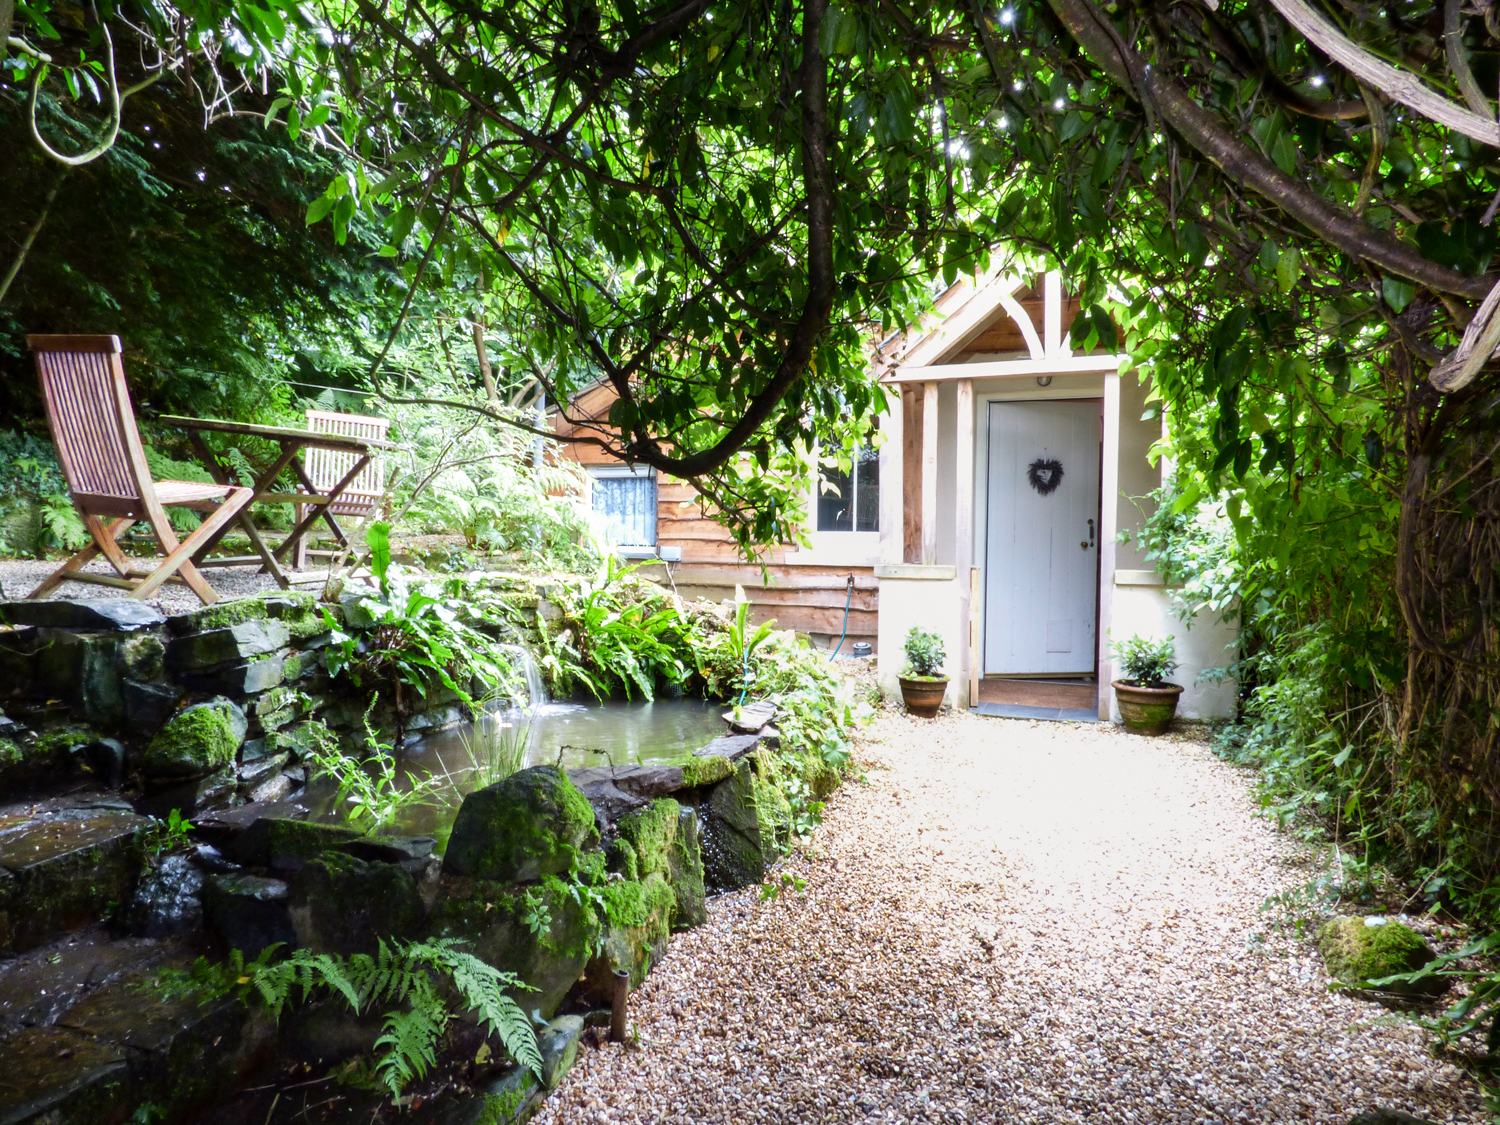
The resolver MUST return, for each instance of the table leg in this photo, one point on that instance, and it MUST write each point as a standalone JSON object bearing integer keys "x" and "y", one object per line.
{"x": 322, "y": 509}
{"x": 263, "y": 484}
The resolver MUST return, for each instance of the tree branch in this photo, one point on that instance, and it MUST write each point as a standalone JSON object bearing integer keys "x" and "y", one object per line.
{"x": 1393, "y": 83}
{"x": 1244, "y": 164}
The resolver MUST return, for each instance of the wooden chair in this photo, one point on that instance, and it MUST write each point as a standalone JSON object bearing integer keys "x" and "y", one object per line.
{"x": 326, "y": 467}
{"x": 93, "y": 427}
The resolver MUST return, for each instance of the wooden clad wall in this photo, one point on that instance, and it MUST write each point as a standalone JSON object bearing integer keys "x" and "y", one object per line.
{"x": 806, "y": 597}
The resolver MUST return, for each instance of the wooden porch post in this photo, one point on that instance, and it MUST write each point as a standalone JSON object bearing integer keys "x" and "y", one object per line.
{"x": 929, "y": 472}
{"x": 1109, "y": 495}
{"x": 963, "y": 513}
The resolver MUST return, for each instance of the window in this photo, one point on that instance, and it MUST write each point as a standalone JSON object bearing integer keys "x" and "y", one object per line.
{"x": 627, "y": 502}
{"x": 850, "y": 501}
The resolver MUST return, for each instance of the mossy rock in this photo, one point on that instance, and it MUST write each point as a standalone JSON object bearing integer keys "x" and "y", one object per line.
{"x": 1357, "y": 953}
{"x": 532, "y": 824}
{"x": 340, "y": 904}
{"x": 285, "y": 844}
{"x": 685, "y": 873}
{"x": 650, "y": 832}
{"x": 622, "y": 859}
{"x": 197, "y": 740}
{"x": 708, "y": 769}
{"x": 220, "y": 615}
{"x": 639, "y": 926}
{"x": 489, "y": 917}
{"x": 49, "y": 758}
{"x": 747, "y": 826}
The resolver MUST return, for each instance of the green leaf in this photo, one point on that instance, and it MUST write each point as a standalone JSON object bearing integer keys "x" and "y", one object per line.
{"x": 319, "y": 208}
{"x": 1194, "y": 243}
{"x": 1288, "y": 269}
{"x": 1397, "y": 291}
{"x": 378, "y": 539}
{"x": 1284, "y": 152}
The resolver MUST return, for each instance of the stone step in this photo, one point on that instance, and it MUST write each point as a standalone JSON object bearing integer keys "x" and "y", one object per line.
{"x": 63, "y": 863}
{"x": 40, "y": 985}
{"x": 125, "y": 1046}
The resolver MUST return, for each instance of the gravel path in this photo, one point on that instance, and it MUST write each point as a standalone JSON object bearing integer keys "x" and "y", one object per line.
{"x": 1018, "y": 922}
{"x": 18, "y": 577}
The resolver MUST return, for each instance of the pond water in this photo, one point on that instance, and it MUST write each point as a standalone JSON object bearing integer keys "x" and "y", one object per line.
{"x": 568, "y": 734}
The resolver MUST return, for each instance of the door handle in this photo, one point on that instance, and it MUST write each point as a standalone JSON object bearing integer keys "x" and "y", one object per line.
{"x": 1090, "y": 543}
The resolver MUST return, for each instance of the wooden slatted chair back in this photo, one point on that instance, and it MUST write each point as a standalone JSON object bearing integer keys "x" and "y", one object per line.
{"x": 92, "y": 423}
{"x": 326, "y": 467}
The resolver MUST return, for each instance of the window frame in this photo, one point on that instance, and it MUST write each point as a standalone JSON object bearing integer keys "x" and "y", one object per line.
{"x": 629, "y": 472}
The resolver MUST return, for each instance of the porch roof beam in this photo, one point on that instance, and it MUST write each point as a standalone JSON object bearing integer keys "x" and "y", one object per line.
{"x": 1008, "y": 369}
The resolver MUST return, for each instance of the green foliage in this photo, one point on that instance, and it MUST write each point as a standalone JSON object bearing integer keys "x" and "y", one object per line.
{"x": 1145, "y": 662}
{"x": 535, "y": 912}
{"x": 370, "y": 795}
{"x": 412, "y": 635}
{"x": 924, "y": 653}
{"x": 623, "y": 635}
{"x": 168, "y": 835}
{"x": 403, "y": 973}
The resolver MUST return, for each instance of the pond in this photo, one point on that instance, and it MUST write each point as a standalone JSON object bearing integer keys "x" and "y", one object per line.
{"x": 571, "y": 735}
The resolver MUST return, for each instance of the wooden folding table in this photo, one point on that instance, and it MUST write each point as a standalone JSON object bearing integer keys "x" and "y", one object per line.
{"x": 292, "y": 443}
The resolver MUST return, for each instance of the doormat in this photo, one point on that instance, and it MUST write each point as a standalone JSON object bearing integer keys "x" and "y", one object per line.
{"x": 1053, "y": 714}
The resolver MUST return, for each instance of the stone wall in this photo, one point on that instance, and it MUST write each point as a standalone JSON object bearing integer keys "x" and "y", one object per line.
{"x": 103, "y": 689}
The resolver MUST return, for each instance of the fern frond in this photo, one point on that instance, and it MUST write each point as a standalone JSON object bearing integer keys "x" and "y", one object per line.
{"x": 410, "y": 1045}
{"x": 481, "y": 987}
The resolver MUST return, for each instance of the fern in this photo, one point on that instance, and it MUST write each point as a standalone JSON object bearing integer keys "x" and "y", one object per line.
{"x": 410, "y": 1043}
{"x": 402, "y": 973}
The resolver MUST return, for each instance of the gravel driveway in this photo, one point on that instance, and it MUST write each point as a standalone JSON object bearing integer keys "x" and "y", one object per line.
{"x": 1017, "y": 922}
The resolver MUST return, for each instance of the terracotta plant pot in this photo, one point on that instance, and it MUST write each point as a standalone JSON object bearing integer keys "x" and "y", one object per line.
{"x": 1146, "y": 710}
{"x": 923, "y": 696}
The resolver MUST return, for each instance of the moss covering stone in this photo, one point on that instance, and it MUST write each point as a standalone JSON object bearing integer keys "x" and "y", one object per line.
{"x": 1357, "y": 953}
{"x": 532, "y": 824}
{"x": 340, "y": 904}
{"x": 685, "y": 873}
{"x": 489, "y": 917}
{"x": 650, "y": 831}
{"x": 639, "y": 925}
{"x": 50, "y": 757}
{"x": 220, "y": 615}
{"x": 196, "y": 741}
{"x": 622, "y": 859}
{"x": 705, "y": 770}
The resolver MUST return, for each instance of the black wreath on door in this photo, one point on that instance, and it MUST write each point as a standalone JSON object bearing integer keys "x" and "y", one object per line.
{"x": 1044, "y": 475}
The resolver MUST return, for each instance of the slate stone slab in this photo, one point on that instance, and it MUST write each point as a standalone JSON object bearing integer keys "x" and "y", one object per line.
{"x": 105, "y": 614}
{"x": 751, "y": 718}
{"x": 639, "y": 781}
{"x": 339, "y": 904}
{"x": 56, "y": 1075}
{"x": 227, "y": 646}
{"x": 148, "y": 706}
{"x": 608, "y": 800}
{"x": 62, "y": 872}
{"x": 248, "y": 912}
{"x": 284, "y": 844}
{"x": 179, "y": 1054}
{"x": 733, "y": 746}
{"x": 215, "y": 790}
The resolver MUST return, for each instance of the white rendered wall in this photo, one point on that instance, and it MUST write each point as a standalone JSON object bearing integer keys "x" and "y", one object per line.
{"x": 1143, "y": 605}
{"x": 919, "y": 595}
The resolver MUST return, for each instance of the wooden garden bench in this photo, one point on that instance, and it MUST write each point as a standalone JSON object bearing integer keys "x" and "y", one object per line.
{"x": 93, "y": 426}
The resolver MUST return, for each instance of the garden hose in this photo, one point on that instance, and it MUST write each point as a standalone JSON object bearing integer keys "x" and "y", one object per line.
{"x": 844, "y": 632}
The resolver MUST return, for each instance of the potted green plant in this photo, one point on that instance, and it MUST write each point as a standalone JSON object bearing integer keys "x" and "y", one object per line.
{"x": 1147, "y": 701}
{"x": 924, "y": 685}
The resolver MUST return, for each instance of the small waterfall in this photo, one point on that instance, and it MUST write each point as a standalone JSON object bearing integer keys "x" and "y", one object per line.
{"x": 536, "y": 690}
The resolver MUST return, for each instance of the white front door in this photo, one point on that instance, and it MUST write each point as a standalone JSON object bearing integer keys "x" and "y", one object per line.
{"x": 1042, "y": 542}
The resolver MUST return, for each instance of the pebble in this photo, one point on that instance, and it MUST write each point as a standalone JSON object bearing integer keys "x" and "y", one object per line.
{"x": 1014, "y": 921}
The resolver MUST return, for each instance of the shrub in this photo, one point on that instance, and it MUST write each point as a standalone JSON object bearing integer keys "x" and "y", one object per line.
{"x": 924, "y": 653}
{"x": 1146, "y": 663}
